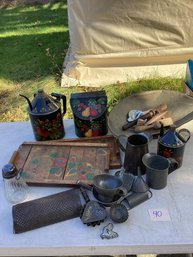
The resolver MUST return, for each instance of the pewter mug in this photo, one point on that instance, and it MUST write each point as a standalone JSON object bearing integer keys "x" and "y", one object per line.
{"x": 157, "y": 169}
{"x": 134, "y": 147}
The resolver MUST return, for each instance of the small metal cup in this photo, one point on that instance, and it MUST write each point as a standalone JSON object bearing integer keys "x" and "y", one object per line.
{"x": 157, "y": 169}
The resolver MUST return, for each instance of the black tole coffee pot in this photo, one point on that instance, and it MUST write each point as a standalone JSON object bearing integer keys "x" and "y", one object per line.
{"x": 46, "y": 115}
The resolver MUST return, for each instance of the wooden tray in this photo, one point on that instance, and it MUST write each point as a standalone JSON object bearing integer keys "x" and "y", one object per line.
{"x": 115, "y": 160}
{"x": 61, "y": 163}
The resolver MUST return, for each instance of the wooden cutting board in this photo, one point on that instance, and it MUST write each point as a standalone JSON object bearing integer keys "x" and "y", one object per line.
{"x": 61, "y": 163}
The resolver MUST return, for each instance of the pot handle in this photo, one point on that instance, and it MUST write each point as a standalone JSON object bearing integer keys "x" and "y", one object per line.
{"x": 59, "y": 97}
{"x": 122, "y": 141}
{"x": 122, "y": 191}
{"x": 84, "y": 185}
{"x": 173, "y": 165}
{"x": 184, "y": 135}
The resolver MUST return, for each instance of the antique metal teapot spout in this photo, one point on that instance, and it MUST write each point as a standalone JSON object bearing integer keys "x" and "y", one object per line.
{"x": 29, "y": 103}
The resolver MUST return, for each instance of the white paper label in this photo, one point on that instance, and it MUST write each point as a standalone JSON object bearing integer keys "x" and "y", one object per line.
{"x": 161, "y": 214}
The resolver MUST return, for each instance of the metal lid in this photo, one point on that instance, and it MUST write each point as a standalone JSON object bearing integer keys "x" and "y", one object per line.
{"x": 43, "y": 103}
{"x": 89, "y": 105}
{"x": 9, "y": 171}
{"x": 171, "y": 138}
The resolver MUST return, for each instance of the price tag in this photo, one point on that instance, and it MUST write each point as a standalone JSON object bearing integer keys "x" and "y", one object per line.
{"x": 159, "y": 214}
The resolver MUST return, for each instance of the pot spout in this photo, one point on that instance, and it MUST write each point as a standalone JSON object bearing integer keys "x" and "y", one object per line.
{"x": 29, "y": 103}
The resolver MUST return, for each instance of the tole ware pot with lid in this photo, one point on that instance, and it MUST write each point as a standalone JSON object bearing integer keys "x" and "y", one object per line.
{"x": 171, "y": 144}
{"x": 46, "y": 115}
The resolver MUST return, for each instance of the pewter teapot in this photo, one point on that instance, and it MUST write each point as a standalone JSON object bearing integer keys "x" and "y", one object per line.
{"x": 46, "y": 115}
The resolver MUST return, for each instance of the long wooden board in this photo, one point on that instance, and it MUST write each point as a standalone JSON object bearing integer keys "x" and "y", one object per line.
{"x": 61, "y": 163}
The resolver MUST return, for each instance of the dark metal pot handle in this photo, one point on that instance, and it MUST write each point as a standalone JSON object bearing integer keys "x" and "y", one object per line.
{"x": 59, "y": 97}
{"x": 186, "y": 132}
{"x": 173, "y": 165}
{"x": 122, "y": 142}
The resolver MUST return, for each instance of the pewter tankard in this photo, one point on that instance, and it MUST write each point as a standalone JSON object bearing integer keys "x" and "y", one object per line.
{"x": 134, "y": 147}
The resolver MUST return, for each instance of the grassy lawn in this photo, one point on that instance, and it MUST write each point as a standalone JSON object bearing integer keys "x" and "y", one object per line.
{"x": 33, "y": 43}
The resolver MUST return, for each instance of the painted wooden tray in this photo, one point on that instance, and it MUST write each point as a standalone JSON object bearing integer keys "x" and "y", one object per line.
{"x": 115, "y": 160}
{"x": 61, "y": 163}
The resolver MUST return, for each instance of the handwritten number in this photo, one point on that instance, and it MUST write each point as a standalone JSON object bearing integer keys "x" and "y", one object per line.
{"x": 157, "y": 214}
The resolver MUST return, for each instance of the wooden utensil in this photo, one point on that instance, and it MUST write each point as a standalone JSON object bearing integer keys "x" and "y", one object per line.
{"x": 161, "y": 108}
{"x": 156, "y": 125}
{"x": 156, "y": 117}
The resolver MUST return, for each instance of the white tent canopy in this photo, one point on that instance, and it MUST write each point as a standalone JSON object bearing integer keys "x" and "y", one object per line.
{"x": 114, "y": 41}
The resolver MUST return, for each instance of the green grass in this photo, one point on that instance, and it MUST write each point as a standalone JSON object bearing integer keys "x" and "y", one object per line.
{"x": 33, "y": 43}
